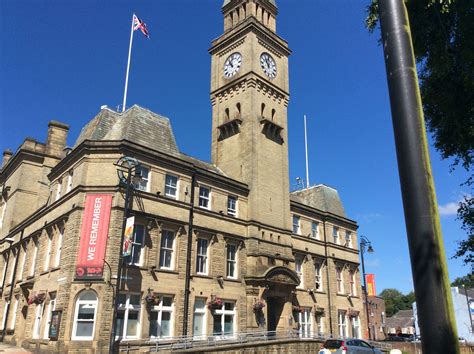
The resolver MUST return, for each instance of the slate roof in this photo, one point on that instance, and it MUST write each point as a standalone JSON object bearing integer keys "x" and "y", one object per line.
{"x": 228, "y": 1}
{"x": 320, "y": 197}
{"x": 141, "y": 126}
{"x": 402, "y": 319}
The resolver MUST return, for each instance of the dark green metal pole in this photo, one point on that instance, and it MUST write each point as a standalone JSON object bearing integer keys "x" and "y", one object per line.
{"x": 187, "y": 282}
{"x": 428, "y": 260}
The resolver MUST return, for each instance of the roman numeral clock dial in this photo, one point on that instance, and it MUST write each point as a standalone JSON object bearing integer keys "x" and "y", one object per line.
{"x": 268, "y": 65}
{"x": 232, "y": 65}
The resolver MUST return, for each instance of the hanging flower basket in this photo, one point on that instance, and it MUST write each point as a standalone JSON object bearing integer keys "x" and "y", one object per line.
{"x": 258, "y": 306}
{"x": 319, "y": 311}
{"x": 352, "y": 313}
{"x": 37, "y": 299}
{"x": 296, "y": 308}
{"x": 152, "y": 299}
{"x": 215, "y": 303}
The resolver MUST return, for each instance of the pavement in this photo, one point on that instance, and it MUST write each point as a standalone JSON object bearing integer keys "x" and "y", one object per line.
{"x": 8, "y": 348}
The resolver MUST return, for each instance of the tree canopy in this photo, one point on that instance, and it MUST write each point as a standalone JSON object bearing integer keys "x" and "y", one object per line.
{"x": 442, "y": 34}
{"x": 396, "y": 301}
{"x": 467, "y": 281}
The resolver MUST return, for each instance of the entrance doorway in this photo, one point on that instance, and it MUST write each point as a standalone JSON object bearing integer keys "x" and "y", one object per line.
{"x": 274, "y": 310}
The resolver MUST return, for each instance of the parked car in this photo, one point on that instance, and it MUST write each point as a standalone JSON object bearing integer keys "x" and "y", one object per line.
{"x": 347, "y": 346}
{"x": 396, "y": 339}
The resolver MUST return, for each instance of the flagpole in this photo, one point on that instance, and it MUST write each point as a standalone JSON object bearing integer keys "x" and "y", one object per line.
{"x": 128, "y": 67}
{"x": 306, "y": 151}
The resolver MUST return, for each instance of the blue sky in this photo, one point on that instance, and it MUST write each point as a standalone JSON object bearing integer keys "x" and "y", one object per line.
{"x": 63, "y": 60}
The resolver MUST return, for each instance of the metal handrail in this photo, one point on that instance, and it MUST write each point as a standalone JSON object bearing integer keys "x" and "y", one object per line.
{"x": 187, "y": 342}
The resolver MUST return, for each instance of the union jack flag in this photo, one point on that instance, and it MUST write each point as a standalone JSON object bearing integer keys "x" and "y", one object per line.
{"x": 139, "y": 24}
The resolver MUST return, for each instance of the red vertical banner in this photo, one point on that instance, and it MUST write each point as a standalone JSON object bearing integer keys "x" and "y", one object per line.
{"x": 94, "y": 232}
{"x": 370, "y": 281}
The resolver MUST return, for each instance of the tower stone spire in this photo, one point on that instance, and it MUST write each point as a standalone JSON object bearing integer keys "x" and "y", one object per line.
{"x": 236, "y": 11}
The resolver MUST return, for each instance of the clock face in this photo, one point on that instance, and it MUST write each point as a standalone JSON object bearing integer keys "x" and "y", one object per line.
{"x": 232, "y": 65}
{"x": 268, "y": 65}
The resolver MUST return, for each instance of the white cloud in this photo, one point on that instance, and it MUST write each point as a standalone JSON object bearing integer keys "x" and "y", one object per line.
{"x": 448, "y": 209}
{"x": 374, "y": 263}
{"x": 369, "y": 217}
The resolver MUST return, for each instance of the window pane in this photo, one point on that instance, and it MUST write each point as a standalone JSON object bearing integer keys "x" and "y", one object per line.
{"x": 153, "y": 324}
{"x": 229, "y": 306}
{"x": 198, "y": 324}
{"x": 84, "y": 329}
{"x": 86, "y": 312}
{"x": 135, "y": 300}
{"x": 139, "y": 233}
{"x": 167, "y": 301}
{"x": 165, "y": 324}
{"x": 217, "y": 328}
{"x": 228, "y": 324}
{"x": 119, "y": 323}
{"x": 132, "y": 323}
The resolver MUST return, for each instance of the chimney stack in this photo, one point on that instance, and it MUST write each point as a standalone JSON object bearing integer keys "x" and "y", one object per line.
{"x": 57, "y": 135}
{"x": 7, "y": 155}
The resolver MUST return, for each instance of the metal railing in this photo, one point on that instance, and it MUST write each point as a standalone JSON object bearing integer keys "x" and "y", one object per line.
{"x": 188, "y": 342}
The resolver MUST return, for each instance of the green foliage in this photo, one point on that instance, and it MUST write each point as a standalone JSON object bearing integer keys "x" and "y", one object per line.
{"x": 442, "y": 34}
{"x": 396, "y": 301}
{"x": 467, "y": 281}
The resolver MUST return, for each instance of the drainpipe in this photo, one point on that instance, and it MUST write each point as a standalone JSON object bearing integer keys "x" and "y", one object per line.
{"x": 12, "y": 286}
{"x": 327, "y": 273}
{"x": 188, "y": 258}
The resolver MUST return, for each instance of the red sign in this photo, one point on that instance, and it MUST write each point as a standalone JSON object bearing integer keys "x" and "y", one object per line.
{"x": 370, "y": 281}
{"x": 94, "y": 231}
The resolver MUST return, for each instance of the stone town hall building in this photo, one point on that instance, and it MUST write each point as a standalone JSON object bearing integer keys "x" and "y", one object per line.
{"x": 253, "y": 242}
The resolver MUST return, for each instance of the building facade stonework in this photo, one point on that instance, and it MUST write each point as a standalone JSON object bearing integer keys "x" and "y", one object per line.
{"x": 262, "y": 258}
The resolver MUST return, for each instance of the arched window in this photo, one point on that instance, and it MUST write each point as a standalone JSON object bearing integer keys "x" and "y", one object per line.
{"x": 85, "y": 316}
{"x": 227, "y": 114}
{"x": 273, "y": 114}
{"x": 263, "y": 110}
{"x": 238, "y": 110}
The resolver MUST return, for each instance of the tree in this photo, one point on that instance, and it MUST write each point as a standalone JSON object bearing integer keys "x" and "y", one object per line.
{"x": 442, "y": 34}
{"x": 467, "y": 281}
{"x": 396, "y": 301}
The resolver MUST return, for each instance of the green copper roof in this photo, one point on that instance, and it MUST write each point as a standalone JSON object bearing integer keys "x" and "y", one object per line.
{"x": 270, "y": 1}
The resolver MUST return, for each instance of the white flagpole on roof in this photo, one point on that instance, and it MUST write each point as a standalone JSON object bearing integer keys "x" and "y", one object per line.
{"x": 306, "y": 151}
{"x": 128, "y": 67}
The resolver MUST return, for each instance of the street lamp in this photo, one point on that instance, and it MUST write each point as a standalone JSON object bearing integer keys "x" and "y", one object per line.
{"x": 365, "y": 242}
{"x": 126, "y": 171}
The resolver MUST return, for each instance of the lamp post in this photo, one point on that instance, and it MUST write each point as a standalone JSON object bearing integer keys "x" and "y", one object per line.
{"x": 126, "y": 171}
{"x": 364, "y": 242}
{"x": 10, "y": 240}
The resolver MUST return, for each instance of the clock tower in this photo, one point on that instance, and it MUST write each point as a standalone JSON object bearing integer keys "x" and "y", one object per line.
{"x": 249, "y": 96}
